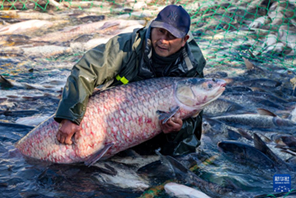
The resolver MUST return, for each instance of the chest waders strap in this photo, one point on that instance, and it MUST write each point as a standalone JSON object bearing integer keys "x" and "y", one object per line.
{"x": 122, "y": 79}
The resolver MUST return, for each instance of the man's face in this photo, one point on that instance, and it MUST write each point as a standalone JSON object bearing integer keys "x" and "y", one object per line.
{"x": 166, "y": 44}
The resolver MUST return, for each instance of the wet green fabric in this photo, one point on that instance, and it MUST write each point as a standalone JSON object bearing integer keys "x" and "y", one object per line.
{"x": 125, "y": 55}
{"x": 96, "y": 67}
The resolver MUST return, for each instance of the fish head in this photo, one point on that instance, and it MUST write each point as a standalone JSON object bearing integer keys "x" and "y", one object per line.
{"x": 231, "y": 148}
{"x": 196, "y": 93}
{"x": 212, "y": 127}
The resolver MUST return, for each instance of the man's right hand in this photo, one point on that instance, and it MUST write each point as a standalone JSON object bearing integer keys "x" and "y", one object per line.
{"x": 66, "y": 131}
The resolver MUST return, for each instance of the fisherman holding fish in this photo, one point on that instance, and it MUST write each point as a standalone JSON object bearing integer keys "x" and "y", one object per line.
{"x": 162, "y": 49}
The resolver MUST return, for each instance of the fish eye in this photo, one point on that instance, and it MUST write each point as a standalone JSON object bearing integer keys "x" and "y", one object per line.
{"x": 205, "y": 124}
{"x": 210, "y": 85}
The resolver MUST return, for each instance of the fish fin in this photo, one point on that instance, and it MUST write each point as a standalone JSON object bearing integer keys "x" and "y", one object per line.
{"x": 248, "y": 64}
{"x": 284, "y": 150}
{"x": 261, "y": 146}
{"x": 280, "y": 146}
{"x": 256, "y": 89}
{"x": 178, "y": 170}
{"x": 233, "y": 135}
{"x": 5, "y": 83}
{"x": 165, "y": 116}
{"x": 265, "y": 139}
{"x": 28, "y": 86}
{"x": 102, "y": 168}
{"x": 290, "y": 141}
{"x": 98, "y": 155}
{"x": 244, "y": 133}
{"x": 262, "y": 111}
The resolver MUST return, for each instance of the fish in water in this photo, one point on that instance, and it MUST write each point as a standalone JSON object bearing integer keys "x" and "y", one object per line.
{"x": 185, "y": 175}
{"x": 252, "y": 101}
{"x": 257, "y": 121}
{"x": 245, "y": 154}
{"x": 221, "y": 106}
{"x": 121, "y": 117}
{"x": 180, "y": 190}
{"x": 260, "y": 145}
{"x": 25, "y": 26}
{"x": 120, "y": 175}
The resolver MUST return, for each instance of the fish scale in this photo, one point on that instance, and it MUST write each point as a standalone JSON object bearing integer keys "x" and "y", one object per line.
{"x": 123, "y": 116}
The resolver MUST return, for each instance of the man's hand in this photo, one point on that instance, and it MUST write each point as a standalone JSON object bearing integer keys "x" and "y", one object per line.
{"x": 174, "y": 124}
{"x": 66, "y": 131}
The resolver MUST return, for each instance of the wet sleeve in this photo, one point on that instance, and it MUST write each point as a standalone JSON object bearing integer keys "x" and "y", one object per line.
{"x": 94, "y": 68}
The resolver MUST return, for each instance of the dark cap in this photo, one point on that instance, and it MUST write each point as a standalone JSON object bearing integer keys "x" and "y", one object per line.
{"x": 174, "y": 19}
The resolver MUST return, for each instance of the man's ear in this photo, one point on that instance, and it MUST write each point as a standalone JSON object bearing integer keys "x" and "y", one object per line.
{"x": 185, "y": 40}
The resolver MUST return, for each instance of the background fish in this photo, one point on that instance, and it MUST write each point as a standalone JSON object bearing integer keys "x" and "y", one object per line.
{"x": 26, "y": 26}
{"x": 179, "y": 190}
{"x": 183, "y": 174}
{"x": 260, "y": 145}
{"x": 245, "y": 154}
{"x": 257, "y": 121}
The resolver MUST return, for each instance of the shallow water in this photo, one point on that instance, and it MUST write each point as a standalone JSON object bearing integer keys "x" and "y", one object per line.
{"x": 21, "y": 178}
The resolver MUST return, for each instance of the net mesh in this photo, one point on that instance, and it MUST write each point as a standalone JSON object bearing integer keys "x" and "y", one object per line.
{"x": 226, "y": 30}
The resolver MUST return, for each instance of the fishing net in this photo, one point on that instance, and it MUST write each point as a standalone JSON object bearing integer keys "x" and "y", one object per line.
{"x": 226, "y": 30}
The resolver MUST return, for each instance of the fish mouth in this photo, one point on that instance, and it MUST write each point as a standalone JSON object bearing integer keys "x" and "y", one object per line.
{"x": 222, "y": 83}
{"x": 220, "y": 91}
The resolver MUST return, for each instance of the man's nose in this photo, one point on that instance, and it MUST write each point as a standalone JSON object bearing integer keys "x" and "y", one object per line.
{"x": 164, "y": 38}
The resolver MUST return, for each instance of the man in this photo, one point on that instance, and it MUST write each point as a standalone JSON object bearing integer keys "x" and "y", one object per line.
{"x": 163, "y": 48}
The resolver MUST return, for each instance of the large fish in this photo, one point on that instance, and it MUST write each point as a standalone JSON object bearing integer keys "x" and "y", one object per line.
{"x": 121, "y": 117}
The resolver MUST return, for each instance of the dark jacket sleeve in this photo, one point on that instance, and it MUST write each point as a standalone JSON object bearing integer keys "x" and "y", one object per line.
{"x": 96, "y": 67}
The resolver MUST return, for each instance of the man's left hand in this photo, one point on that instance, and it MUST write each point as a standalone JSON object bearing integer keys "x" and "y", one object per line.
{"x": 174, "y": 124}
